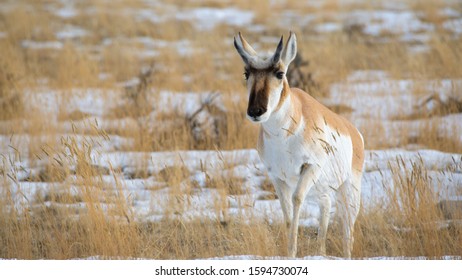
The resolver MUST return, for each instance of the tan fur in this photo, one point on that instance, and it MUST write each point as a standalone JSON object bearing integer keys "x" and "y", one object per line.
{"x": 318, "y": 116}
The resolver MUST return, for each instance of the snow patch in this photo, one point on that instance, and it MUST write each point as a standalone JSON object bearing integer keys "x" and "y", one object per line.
{"x": 386, "y": 21}
{"x": 36, "y": 45}
{"x": 454, "y": 25}
{"x": 208, "y": 18}
{"x": 71, "y": 32}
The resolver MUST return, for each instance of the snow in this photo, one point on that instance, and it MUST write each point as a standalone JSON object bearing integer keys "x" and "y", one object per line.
{"x": 91, "y": 101}
{"x": 320, "y": 258}
{"x": 183, "y": 102}
{"x": 202, "y": 18}
{"x": 274, "y": 258}
{"x": 71, "y": 32}
{"x": 151, "y": 47}
{"x": 395, "y": 22}
{"x": 375, "y": 96}
{"x": 377, "y": 172}
{"x": 29, "y": 44}
{"x": 367, "y": 76}
{"x": 205, "y": 18}
{"x": 454, "y": 25}
{"x": 99, "y": 102}
{"x": 151, "y": 199}
{"x": 449, "y": 12}
{"x": 371, "y": 95}
{"x": 328, "y": 27}
{"x": 293, "y": 18}
{"x": 68, "y": 11}
{"x": 380, "y": 24}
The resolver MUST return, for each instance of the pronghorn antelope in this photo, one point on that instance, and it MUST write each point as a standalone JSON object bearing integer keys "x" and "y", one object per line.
{"x": 308, "y": 150}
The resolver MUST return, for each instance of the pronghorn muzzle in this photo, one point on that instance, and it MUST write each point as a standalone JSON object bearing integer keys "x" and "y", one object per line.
{"x": 258, "y": 101}
{"x": 255, "y": 111}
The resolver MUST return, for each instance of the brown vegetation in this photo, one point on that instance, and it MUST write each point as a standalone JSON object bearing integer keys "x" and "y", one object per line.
{"x": 104, "y": 58}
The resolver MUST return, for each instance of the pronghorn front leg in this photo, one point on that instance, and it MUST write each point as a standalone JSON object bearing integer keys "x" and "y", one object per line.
{"x": 284, "y": 194}
{"x": 309, "y": 175}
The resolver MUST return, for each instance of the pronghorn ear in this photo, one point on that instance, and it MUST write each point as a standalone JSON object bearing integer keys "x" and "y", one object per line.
{"x": 290, "y": 50}
{"x": 243, "y": 48}
{"x": 277, "y": 53}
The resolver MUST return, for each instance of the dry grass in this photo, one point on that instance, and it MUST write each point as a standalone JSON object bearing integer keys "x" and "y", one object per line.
{"x": 48, "y": 229}
{"x": 412, "y": 226}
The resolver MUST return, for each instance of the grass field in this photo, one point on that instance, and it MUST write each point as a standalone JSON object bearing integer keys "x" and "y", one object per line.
{"x": 123, "y": 130}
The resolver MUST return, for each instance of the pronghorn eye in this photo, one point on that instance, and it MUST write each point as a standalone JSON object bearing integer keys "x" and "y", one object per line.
{"x": 246, "y": 75}
{"x": 280, "y": 75}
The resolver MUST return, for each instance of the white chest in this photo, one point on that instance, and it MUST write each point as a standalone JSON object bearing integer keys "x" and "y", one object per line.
{"x": 284, "y": 156}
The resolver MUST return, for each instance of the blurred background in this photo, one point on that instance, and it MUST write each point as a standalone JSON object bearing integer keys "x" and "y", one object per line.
{"x": 110, "y": 110}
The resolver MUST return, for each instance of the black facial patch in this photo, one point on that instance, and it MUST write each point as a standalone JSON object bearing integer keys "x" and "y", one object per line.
{"x": 258, "y": 100}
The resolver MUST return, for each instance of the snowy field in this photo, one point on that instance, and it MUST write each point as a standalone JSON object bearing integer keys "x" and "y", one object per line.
{"x": 150, "y": 198}
{"x": 391, "y": 113}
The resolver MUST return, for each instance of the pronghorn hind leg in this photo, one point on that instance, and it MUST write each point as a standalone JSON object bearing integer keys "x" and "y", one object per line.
{"x": 325, "y": 205}
{"x": 348, "y": 238}
{"x": 349, "y": 203}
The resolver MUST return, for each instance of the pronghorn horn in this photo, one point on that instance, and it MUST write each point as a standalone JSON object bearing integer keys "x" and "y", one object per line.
{"x": 240, "y": 44}
{"x": 247, "y": 46}
{"x": 277, "y": 54}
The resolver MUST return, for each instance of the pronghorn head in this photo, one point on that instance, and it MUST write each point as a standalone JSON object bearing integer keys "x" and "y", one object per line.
{"x": 265, "y": 76}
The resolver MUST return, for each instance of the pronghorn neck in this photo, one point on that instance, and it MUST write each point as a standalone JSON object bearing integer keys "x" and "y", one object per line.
{"x": 281, "y": 116}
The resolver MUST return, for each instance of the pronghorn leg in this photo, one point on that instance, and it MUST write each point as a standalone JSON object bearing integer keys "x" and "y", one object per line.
{"x": 325, "y": 203}
{"x": 285, "y": 198}
{"x": 349, "y": 209}
{"x": 308, "y": 176}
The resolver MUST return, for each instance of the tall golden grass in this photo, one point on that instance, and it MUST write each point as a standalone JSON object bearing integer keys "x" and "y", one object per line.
{"x": 47, "y": 228}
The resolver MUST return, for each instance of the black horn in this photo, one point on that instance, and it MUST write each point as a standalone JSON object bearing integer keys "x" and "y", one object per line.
{"x": 241, "y": 51}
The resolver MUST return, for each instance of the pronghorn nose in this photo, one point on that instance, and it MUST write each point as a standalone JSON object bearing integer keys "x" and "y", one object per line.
{"x": 255, "y": 111}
